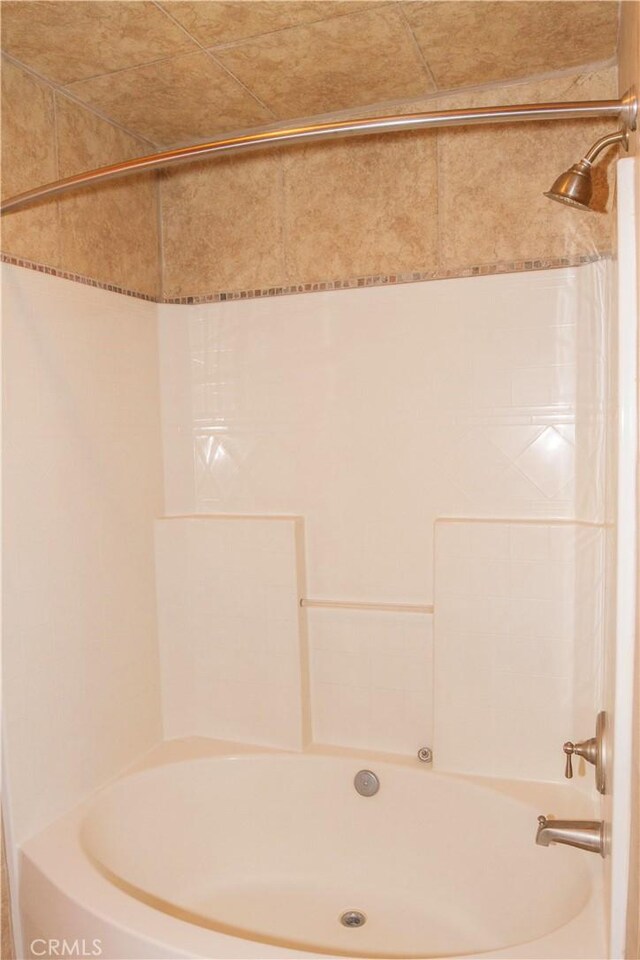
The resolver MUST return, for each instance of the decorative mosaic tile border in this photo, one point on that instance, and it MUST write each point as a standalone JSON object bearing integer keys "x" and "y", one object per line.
{"x": 376, "y": 280}
{"x": 76, "y": 277}
{"x": 388, "y": 279}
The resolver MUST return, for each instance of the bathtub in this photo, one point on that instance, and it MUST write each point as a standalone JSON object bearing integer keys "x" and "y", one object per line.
{"x": 214, "y": 850}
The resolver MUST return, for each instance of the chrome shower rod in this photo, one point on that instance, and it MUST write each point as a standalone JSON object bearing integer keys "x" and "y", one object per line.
{"x": 625, "y": 109}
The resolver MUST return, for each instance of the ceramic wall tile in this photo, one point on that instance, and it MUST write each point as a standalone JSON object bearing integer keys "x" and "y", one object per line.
{"x": 229, "y": 631}
{"x": 383, "y": 192}
{"x": 82, "y": 484}
{"x": 372, "y": 683}
{"x": 28, "y": 160}
{"x": 360, "y": 207}
{"x": 223, "y": 225}
{"x": 492, "y": 173}
{"x": 376, "y": 206}
{"x": 109, "y": 233}
{"x": 182, "y": 100}
{"x": 223, "y": 22}
{"x": 299, "y": 57}
{"x": 335, "y": 64}
{"x": 503, "y": 41}
{"x": 68, "y": 41}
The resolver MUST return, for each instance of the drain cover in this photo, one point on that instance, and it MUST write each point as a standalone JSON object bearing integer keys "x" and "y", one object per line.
{"x": 366, "y": 783}
{"x": 353, "y": 918}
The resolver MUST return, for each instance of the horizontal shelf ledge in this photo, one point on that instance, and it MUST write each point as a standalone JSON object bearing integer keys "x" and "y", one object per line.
{"x": 358, "y": 605}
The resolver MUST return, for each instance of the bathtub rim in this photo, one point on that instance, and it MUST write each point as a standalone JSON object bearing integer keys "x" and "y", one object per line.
{"x": 56, "y": 858}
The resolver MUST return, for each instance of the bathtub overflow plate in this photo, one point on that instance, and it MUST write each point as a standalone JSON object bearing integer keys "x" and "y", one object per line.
{"x": 366, "y": 783}
{"x": 353, "y": 918}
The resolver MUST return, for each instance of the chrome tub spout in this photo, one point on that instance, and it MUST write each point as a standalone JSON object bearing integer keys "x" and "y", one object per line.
{"x": 585, "y": 834}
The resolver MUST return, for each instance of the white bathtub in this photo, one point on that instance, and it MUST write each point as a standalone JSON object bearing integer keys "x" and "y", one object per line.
{"x": 219, "y": 851}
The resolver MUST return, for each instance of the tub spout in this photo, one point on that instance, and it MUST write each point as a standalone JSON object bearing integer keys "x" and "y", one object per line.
{"x": 585, "y": 834}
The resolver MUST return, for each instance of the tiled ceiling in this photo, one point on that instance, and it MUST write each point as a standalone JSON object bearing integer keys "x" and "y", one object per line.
{"x": 179, "y": 71}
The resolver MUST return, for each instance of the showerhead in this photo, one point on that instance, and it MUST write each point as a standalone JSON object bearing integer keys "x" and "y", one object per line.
{"x": 575, "y": 186}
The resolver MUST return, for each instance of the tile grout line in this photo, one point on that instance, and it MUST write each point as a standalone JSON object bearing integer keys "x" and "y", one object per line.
{"x": 56, "y": 158}
{"x": 63, "y": 91}
{"x": 284, "y": 213}
{"x": 337, "y": 114}
{"x": 418, "y": 49}
{"x": 231, "y": 44}
{"x": 165, "y": 58}
{"x": 398, "y": 105}
{"x": 160, "y": 222}
{"x": 243, "y": 86}
{"x": 209, "y": 53}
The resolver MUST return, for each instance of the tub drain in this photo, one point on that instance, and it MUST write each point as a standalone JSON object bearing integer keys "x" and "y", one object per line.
{"x": 353, "y": 918}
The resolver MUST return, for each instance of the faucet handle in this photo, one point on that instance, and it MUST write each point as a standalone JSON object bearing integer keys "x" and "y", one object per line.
{"x": 569, "y": 749}
{"x": 587, "y": 749}
{"x": 593, "y": 750}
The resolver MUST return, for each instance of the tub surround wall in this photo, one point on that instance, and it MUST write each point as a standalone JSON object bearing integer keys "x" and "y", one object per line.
{"x": 286, "y": 220}
{"x": 499, "y": 413}
{"x": 108, "y": 233}
{"x": 231, "y": 632}
{"x": 473, "y": 417}
{"x": 372, "y": 679}
{"x": 511, "y": 667}
{"x": 82, "y": 485}
{"x": 376, "y": 206}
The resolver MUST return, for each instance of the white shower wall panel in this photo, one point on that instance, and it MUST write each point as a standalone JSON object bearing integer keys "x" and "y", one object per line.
{"x": 518, "y": 645}
{"x": 372, "y": 679}
{"x": 82, "y": 484}
{"x": 229, "y": 628}
{"x": 372, "y": 412}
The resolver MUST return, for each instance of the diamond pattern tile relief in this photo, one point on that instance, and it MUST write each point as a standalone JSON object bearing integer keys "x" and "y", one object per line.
{"x": 549, "y": 462}
{"x": 373, "y": 429}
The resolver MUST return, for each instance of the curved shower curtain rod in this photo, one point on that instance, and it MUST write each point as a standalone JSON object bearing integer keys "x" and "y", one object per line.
{"x": 625, "y": 109}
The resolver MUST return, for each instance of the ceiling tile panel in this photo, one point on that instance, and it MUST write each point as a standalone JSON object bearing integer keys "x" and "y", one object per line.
{"x": 184, "y": 99}
{"x": 213, "y": 22}
{"x": 467, "y": 42}
{"x": 67, "y": 40}
{"x": 142, "y": 63}
{"x": 331, "y": 65}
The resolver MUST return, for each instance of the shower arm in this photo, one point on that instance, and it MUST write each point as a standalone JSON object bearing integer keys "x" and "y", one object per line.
{"x": 624, "y": 109}
{"x": 619, "y": 136}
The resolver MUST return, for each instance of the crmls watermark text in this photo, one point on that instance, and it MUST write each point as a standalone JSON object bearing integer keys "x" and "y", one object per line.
{"x": 66, "y": 948}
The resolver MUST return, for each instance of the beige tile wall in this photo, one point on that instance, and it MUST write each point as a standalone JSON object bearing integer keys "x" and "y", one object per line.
{"x": 385, "y": 205}
{"x": 446, "y": 200}
{"x": 109, "y": 233}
